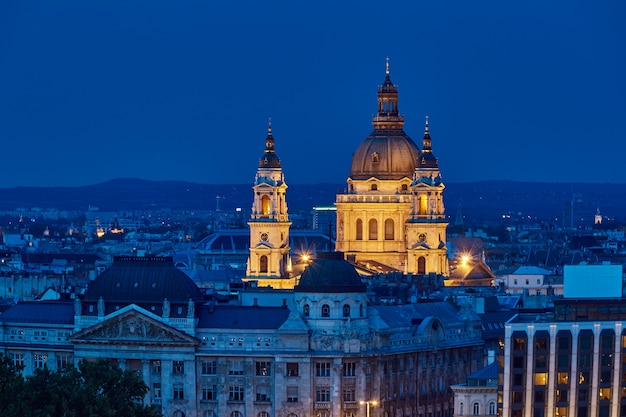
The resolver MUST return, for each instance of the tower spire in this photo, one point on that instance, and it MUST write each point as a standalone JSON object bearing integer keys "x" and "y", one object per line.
{"x": 388, "y": 117}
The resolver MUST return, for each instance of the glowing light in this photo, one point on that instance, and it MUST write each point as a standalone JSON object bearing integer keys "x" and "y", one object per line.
{"x": 305, "y": 257}
{"x": 465, "y": 260}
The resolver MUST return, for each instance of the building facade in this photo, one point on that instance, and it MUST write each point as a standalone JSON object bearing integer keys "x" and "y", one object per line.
{"x": 571, "y": 363}
{"x": 318, "y": 354}
{"x": 392, "y": 216}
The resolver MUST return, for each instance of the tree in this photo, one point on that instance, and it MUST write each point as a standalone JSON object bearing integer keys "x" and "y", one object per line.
{"x": 93, "y": 389}
{"x": 11, "y": 386}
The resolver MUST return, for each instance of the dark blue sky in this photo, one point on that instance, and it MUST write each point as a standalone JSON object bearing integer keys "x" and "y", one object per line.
{"x": 182, "y": 90}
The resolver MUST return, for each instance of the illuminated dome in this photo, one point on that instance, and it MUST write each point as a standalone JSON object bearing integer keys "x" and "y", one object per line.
{"x": 387, "y": 153}
{"x": 384, "y": 156}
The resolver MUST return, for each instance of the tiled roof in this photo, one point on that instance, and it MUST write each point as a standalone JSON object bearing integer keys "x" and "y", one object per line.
{"x": 55, "y": 312}
{"x": 238, "y": 317}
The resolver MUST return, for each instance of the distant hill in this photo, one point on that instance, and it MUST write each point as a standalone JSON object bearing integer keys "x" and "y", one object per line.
{"x": 479, "y": 201}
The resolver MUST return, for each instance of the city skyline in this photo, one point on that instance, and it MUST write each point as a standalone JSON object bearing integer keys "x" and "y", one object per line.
{"x": 162, "y": 91}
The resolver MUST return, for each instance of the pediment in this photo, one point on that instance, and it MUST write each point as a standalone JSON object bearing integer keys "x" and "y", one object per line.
{"x": 420, "y": 246}
{"x": 264, "y": 245}
{"x": 133, "y": 328}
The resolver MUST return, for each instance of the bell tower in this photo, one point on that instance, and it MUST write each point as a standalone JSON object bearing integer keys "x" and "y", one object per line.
{"x": 269, "y": 262}
{"x": 426, "y": 227}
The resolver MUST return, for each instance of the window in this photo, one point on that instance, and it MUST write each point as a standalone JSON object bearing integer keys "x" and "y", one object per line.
{"x": 263, "y": 264}
{"x": 209, "y": 367}
{"x": 349, "y": 369}
{"x": 461, "y": 411}
{"x": 41, "y": 361}
{"x": 156, "y": 391}
{"x": 236, "y": 414}
{"x": 292, "y": 394}
{"x": 421, "y": 265}
{"x": 346, "y": 310}
{"x": 209, "y": 413}
{"x": 63, "y": 361}
{"x": 325, "y": 310}
{"x": 178, "y": 367}
{"x": 423, "y": 205}
{"x": 264, "y": 414}
{"x": 17, "y": 358}
{"x": 374, "y": 187}
{"x": 322, "y": 369}
{"x": 179, "y": 392}
{"x": 292, "y": 368}
{"x": 40, "y": 334}
{"x": 263, "y": 368}
{"x": 307, "y": 310}
{"x": 359, "y": 229}
{"x": 236, "y": 368}
{"x": 492, "y": 408}
{"x": 262, "y": 394}
{"x": 349, "y": 395}
{"x": 322, "y": 394}
{"x": 178, "y": 413}
{"x": 235, "y": 393}
{"x": 373, "y": 229}
{"x": 209, "y": 392}
{"x": 156, "y": 367}
{"x": 405, "y": 188}
{"x": 375, "y": 157}
{"x": 476, "y": 409}
{"x": 265, "y": 205}
{"x": 389, "y": 232}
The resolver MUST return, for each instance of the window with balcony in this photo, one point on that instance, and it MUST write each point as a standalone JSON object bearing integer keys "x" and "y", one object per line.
{"x": 322, "y": 395}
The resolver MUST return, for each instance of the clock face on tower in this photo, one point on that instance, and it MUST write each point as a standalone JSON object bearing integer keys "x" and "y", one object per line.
{"x": 264, "y": 237}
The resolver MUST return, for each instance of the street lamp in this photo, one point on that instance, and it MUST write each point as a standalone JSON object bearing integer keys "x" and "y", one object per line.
{"x": 367, "y": 403}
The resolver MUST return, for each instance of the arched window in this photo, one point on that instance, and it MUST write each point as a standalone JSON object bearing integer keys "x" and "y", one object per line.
{"x": 307, "y": 310}
{"x": 178, "y": 413}
{"x": 264, "y": 414}
{"x": 236, "y": 414}
{"x": 421, "y": 265}
{"x": 373, "y": 229}
{"x": 209, "y": 413}
{"x": 265, "y": 205}
{"x": 423, "y": 205}
{"x": 325, "y": 310}
{"x": 389, "y": 232}
{"x": 476, "y": 408}
{"x": 346, "y": 310}
{"x": 492, "y": 408}
{"x": 405, "y": 188}
{"x": 374, "y": 187}
{"x": 263, "y": 264}
{"x": 461, "y": 410}
{"x": 359, "y": 229}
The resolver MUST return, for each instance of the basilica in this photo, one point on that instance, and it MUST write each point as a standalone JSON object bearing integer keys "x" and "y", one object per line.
{"x": 301, "y": 343}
